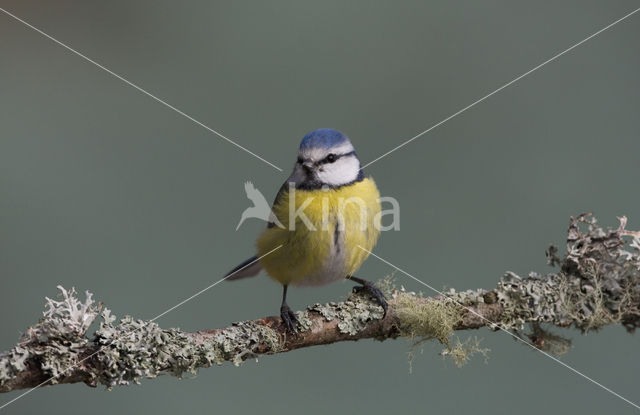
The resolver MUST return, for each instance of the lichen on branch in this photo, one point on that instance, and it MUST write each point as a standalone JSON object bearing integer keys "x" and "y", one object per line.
{"x": 596, "y": 283}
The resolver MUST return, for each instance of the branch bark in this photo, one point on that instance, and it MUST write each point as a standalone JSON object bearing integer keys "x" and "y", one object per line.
{"x": 597, "y": 283}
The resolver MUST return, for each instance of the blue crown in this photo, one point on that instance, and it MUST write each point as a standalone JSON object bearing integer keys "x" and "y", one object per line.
{"x": 323, "y": 138}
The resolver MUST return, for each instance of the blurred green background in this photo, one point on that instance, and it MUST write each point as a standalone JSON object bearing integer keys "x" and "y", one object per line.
{"x": 104, "y": 189}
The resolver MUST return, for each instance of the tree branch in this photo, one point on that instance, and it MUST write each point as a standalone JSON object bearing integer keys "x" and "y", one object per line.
{"x": 597, "y": 283}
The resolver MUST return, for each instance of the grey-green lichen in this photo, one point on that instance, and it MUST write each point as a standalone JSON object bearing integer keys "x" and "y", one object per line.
{"x": 128, "y": 351}
{"x": 57, "y": 341}
{"x": 304, "y": 322}
{"x": 136, "y": 349}
{"x": 598, "y": 282}
{"x": 535, "y": 298}
{"x": 353, "y": 314}
{"x": 467, "y": 297}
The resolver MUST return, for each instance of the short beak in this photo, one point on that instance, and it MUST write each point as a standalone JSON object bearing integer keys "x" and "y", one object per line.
{"x": 308, "y": 167}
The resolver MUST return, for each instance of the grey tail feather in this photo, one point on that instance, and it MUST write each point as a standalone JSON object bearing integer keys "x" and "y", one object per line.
{"x": 249, "y": 268}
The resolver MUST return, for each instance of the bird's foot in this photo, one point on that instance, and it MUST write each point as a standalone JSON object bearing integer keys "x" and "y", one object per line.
{"x": 289, "y": 319}
{"x": 371, "y": 289}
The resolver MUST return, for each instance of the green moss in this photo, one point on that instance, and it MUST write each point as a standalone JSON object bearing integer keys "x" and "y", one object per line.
{"x": 461, "y": 352}
{"x": 426, "y": 318}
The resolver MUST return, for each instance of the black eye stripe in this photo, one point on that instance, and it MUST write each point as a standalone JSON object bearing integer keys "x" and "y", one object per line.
{"x": 326, "y": 159}
{"x": 335, "y": 157}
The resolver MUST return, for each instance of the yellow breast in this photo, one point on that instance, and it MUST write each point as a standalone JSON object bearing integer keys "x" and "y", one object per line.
{"x": 322, "y": 232}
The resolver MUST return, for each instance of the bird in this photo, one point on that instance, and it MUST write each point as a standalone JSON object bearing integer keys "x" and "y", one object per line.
{"x": 260, "y": 208}
{"x": 329, "y": 215}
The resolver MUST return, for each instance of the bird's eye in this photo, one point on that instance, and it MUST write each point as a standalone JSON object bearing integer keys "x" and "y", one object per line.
{"x": 331, "y": 158}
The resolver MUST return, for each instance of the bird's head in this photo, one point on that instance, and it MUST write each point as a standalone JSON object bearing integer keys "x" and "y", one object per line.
{"x": 326, "y": 157}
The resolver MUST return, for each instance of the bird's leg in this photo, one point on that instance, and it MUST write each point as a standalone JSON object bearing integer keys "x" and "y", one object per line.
{"x": 371, "y": 289}
{"x": 289, "y": 319}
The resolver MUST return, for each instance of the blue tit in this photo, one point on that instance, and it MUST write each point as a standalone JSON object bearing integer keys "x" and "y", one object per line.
{"x": 326, "y": 212}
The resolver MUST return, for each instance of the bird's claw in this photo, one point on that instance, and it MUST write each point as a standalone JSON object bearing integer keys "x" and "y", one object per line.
{"x": 371, "y": 289}
{"x": 289, "y": 319}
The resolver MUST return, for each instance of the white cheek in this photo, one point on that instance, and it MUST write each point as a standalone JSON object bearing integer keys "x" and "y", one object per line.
{"x": 343, "y": 171}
